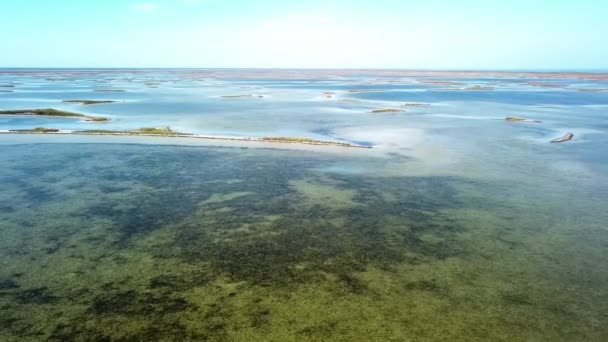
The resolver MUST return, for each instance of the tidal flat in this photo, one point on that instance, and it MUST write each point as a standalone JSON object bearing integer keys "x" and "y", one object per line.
{"x": 463, "y": 222}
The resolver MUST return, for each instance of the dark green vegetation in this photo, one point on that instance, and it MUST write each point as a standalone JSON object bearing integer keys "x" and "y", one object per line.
{"x": 173, "y": 243}
{"x": 89, "y": 102}
{"x": 53, "y": 113}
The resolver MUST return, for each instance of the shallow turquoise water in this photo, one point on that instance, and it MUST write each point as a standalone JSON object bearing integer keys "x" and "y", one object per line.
{"x": 457, "y": 226}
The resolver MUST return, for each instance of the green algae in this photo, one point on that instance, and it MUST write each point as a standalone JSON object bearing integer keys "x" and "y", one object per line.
{"x": 176, "y": 243}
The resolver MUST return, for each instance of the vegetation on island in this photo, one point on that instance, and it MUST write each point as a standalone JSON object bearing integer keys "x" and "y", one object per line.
{"x": 89, "y": 102}
{"x": 35, "y": 130}
{"x": 518, "y": 119}
{"x": 416, "y": 104}
{"x": 386, "y": 110}
{"x": 166, "y": 131}
{"x": 304, "y": 140}
{"x": 53, "y": 113}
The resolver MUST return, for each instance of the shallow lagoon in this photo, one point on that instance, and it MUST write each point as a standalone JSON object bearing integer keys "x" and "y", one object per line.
{"x": 457, "y": 226}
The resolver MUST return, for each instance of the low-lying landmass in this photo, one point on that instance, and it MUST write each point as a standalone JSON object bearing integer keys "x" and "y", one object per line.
{"x": 301, "y": 140}
{"x": 244, "y": 96}
{"x": 50, "y": 112}
{"x": 168, "y": 132}
{"x": 592, "y": 90}
{"x": 365, "y": 90}
{"x": 416, "y": 104}
{"x": 544, "y": 84}
{"x": 563, "y": 138}
{"x": 36, "y": 130}
{"x": 518, "y": 119}
{"x": 477, "y": 87}
{"x": 386, "y": 110}
{"x": 89, "y": 102}
{"x": 439, "y": 82}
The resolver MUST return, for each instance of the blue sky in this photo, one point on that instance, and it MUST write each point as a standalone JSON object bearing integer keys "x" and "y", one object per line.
{"x": 441, "y": 34}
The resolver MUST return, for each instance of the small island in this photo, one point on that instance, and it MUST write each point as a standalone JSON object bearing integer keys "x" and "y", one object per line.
{"x": 300, "y": 140}
{"x": 168, "y": 132}
{"x": 164, "y": 131}
{"x": 245, "y": 96}
{"x": 563, "y": 138}
{"x": 518, "y": 119}
{"x": 365, "y": 90}
{"x": 477, "y": 87}
{"x": 50, "y": 112}
{"x": 592, "y": 90}
{"x": 89, "y": 102}
{"x": 35, "y": 130}
{"x": 416, "y": 104}
{"x": 386, "y": 110}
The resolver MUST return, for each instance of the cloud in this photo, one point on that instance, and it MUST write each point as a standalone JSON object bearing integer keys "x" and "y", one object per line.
{"x": 144, "y": 7}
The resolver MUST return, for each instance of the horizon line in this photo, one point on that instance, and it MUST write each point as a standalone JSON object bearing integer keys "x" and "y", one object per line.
{"x": 532, "y": 70}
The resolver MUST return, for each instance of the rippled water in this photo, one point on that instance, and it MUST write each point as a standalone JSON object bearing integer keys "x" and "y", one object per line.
{"x": 457, "y": 226}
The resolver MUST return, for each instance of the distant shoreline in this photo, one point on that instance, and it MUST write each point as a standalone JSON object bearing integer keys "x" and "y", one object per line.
{"x": 287, "y": 73}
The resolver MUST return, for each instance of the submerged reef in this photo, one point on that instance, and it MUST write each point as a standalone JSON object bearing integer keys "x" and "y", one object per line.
{"x": 50, "y": 112}
{"x": 146, "y": 243}
{"x": 89, "y": 102}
